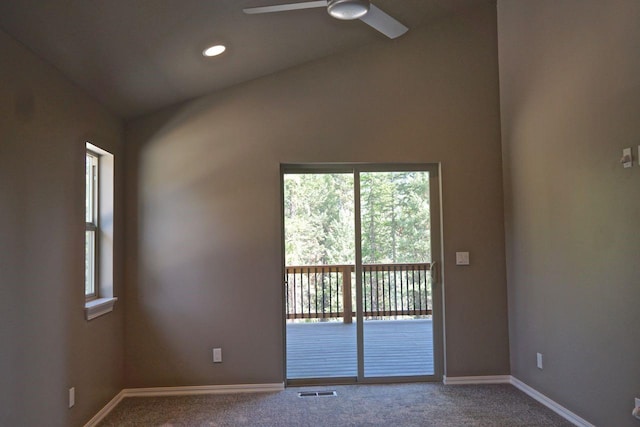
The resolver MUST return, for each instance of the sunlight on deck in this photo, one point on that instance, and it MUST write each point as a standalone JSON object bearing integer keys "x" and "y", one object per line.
{"x": 391, "y": 347}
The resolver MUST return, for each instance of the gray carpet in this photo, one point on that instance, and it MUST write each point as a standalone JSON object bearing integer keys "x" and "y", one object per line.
{"x": 422, "y": 404}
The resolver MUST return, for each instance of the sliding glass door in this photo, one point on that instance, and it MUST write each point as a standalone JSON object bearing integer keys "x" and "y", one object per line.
{"x": 361, "y": 251}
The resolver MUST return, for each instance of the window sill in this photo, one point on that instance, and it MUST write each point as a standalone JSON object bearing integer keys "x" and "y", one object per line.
{"x": 98, "y": 307}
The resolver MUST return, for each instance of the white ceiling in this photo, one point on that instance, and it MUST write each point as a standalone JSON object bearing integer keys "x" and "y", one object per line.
{"x": 136, "y": 56}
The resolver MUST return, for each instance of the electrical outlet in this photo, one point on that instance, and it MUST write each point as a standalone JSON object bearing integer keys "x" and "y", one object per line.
{"x": 217, "y": 355}
{"x": 72, "y": 397}
{"x": 539, "y": 360}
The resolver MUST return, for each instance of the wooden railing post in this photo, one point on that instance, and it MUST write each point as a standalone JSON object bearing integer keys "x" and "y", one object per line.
{"x": 346, "y": 294}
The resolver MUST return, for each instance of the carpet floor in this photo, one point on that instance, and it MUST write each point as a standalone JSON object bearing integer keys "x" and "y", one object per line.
{"x": 419, "y": 404}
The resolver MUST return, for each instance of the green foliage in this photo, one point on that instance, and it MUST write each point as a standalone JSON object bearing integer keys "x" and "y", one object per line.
{"x": 395, "y": 217}
{"x": 319, "y": 218}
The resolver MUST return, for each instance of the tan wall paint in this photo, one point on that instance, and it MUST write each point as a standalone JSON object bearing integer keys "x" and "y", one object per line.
{"x": 46, "y": 345}
{"x": 570, "y": 100}
{"x": 204, "y": 231}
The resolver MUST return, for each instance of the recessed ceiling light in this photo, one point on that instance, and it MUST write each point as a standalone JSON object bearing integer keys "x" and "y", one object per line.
{"x": 214, "y": 50}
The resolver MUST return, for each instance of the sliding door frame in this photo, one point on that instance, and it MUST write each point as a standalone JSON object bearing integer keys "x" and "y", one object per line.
{"x": 436, "y": 266}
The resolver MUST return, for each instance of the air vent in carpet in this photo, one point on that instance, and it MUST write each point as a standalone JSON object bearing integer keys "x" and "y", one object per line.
{"x": 317, "y": 394}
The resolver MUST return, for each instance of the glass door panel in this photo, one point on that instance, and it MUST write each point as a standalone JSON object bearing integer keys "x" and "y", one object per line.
{"x": 319, "y": 276}
{"x": 395, "y": 225}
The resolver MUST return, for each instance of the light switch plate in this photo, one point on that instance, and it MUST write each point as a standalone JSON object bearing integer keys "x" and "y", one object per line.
{"x": 462, "y": 258}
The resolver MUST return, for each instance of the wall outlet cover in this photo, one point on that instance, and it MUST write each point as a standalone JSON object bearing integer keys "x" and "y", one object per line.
{"x": 217, "y": 355}
{"x": 539, "y": 360}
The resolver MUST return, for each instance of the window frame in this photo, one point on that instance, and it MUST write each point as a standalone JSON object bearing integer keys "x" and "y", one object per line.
{"x": 93, "y": 225}
{"x": 102, "y": 227}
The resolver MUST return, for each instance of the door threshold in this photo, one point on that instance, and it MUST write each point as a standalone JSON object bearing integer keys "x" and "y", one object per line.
{"x": 302, "y": 382}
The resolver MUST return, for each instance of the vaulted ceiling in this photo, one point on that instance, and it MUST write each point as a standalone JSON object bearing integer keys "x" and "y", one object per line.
{"x": 136, "y": 56}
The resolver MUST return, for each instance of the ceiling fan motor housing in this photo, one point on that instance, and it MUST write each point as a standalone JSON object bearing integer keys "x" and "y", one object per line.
{"x": 348, "y": 9}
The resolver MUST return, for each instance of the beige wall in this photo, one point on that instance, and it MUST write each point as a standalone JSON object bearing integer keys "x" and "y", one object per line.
{"x": 203, "y": 204}
{"x": 46, "y": 346}
{"x": 203, "y": 209}
{"x": 570, "y": 99}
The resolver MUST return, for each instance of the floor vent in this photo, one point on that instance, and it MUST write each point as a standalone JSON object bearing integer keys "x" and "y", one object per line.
{"x": 317, "y": 394}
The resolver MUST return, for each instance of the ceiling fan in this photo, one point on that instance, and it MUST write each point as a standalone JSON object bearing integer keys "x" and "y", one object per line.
{"x": 345, "y": 10}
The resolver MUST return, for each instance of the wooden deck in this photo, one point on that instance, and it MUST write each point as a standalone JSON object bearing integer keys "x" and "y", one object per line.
{"x": 391, "y": 347}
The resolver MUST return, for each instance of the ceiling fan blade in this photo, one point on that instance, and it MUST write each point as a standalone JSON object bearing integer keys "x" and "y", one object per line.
{"x": 384, "y": 23}
{"x": 285, "y": 7}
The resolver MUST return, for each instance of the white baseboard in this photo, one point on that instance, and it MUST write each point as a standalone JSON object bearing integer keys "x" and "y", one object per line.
{"x": 487, "y": 379}
{"x": 182, "y": 391}
{"x": 203, "y": 389}
{"x": 551, "y": 404}
{"x": 105, "y": 411}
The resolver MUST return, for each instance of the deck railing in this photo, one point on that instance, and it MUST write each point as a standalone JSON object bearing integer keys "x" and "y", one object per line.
{"x": 326, "y": 291}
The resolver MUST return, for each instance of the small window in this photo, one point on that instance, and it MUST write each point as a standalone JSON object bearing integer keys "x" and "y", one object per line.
{"x": 92, "y": 226}
{"x": 99, "y": 232}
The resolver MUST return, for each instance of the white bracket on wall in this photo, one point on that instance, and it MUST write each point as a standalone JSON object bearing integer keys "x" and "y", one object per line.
{"x": 627, "y": 158}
